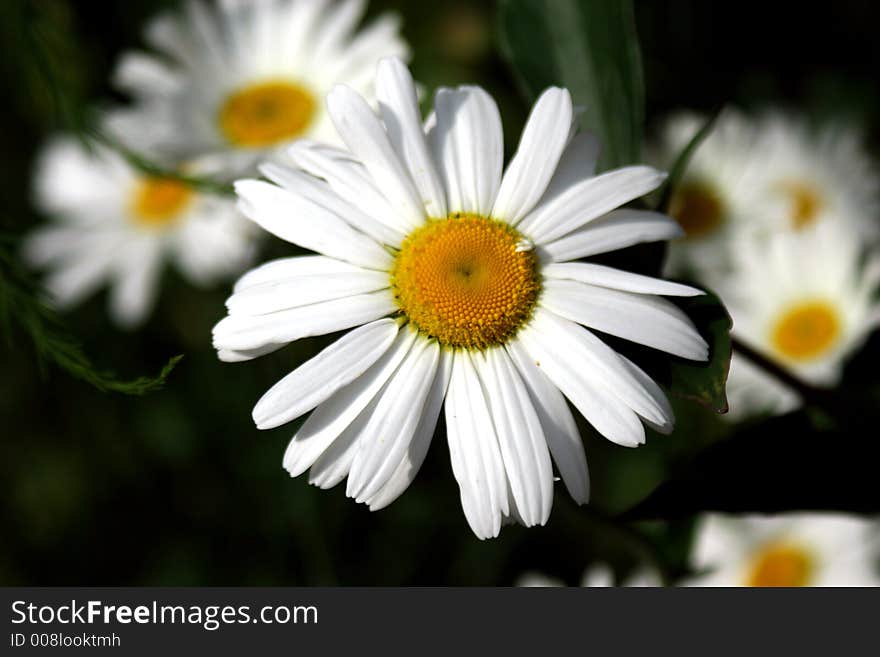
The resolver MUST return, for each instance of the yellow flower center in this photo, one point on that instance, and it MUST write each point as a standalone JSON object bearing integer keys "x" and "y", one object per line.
{"x": 265, "y": 114}
{"x": 806, "y": 203}
{"x": 466, "y": 280}
{"x": 158, "y": 202}
{"x": 697, "y": 208}
{"x": 781, "y": 564}
{"x": 806, "y": 330}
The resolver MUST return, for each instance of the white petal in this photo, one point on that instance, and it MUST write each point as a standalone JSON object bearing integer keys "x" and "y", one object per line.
{"x": 321, "y": 193}
{"x": 473, "y": 450}
{"x": 520, "y": 436}
{"x": 616, "y": 230}
{"x": 232, "y": 356}
{"x": 141, "y": 74}
{"x": 644, "y": 319}
{"x": 134, "y": 292}
{"x": 387, "y": 436}
{"x": 656, "y": 393}
{"x": 319, "y": 377}
{"x": 303, "y": 222}
{"x": 578, "y": 163}
{"x": 330, "y": 419}
{"x": 543, "y": 141}
{"x": 334, "y": 463}
{"x": 588, "y": 200}
{"x": 348, "y": 178}
{"x": 418, "y": 448}
{"x": 287, "y": 268}
{"x": 304, "y": 290}
{"x": 365, "y": 136}
{"x": 398, "y": 103}
{"x": 469, "y": 148}
{"x": 242, "y": 332}
{"x": 560, "y": 430}
{"x": 570, "y": 365}
{"x": 617, "y": 279}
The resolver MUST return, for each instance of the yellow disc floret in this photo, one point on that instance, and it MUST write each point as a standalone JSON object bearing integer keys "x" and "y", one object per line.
{"x": 806, "y": 203}
{"x": 157, "y": 202}
{"x": 266, "y": 114}
{"x": 806, "y": 330}
{"x": 698, "y": 208}
{"x": 466, "y": 280}
{"x": 781, "y": 565}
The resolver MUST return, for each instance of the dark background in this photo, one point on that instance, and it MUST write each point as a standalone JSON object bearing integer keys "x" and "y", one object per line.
{"x": 179, "y": 488}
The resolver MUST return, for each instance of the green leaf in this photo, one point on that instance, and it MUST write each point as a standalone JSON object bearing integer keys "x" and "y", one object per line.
{"x": 22, "y": 307}
{"x": 705, "y": 383}
{"x": 591, "y": 48}
{"x": 682, "y": 161}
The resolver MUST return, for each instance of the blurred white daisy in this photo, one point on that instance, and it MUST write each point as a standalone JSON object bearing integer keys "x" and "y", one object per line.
{"x": 751, "y": 178}
{"x": 792, "y": 549}
{"x": 804, "y": 300}
{"x": 464, "y": 289}
{"x": 240, "y": 78}
{"x": 599, "y": 575}
{"x": 113, "y": 225}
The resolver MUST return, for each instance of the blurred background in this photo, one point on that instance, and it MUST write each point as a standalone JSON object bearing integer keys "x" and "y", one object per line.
{"x": 179, "y": 488}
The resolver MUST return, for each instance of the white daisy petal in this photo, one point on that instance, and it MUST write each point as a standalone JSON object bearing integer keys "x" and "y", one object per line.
{"x": 232, "y": 356}
{"x": 421, "y": 440}
{"x": 387, "y": 435}
{"x": 578, "y": 162}
{"x": 468, "y": 147}
{"x": 364, "y": 134}
{"x": 333, "y": 465}
{"x": 283, "y": 269}
{"x": 644, "y": 319}
{"x": 473, "y": 450}
{"x": 329, "y": 420}
{"x": 543, "y": 141}
{"x": 589, "y": 200}
{"x": 560, "y": 430}
{"x": 132, "y": 296}
{"x": 396, "y": 93}
{"x": 142, "y": 74}
{"x": 617, "y": 279}
{"x": 657, "y": 395}
{"x": 243, "y": 332}
{"x": 520, "y": 436}
{"x": 319, "y": 377}
{"x": 303, "y": 222}
{"x": 616, "y": 230}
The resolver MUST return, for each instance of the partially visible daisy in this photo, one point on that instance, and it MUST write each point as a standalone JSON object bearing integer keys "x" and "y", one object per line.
{"x": 238, "y": 79}
{"x": 599, "y": 575}
{"x": 751, "y": 178}
{"x": 463, "y": 290}
{"x": 113, "y": 225}
{"x": 714, "y": 199}
{"x": 804, "y": 300}
{"x": 792, "y": 550}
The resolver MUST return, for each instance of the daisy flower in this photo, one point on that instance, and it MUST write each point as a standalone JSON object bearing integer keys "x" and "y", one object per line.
{"x": 804, "y": 300}
{"x": 793, "y": 549}
{"x": 465, "y": 294}
{"x": 114, "y": 225}
{"x": 599, "y": 575}
{"x": 238, "y": 79}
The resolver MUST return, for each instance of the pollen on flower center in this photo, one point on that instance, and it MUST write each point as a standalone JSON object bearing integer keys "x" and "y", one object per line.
{"x": 265, "y": 114}
{"x": 466, "y": 281}
{"x": 806, "y": 204}
{"x": 698, "y": 208}
{"x": 781, "y": 565}
{"x": 159, "y": 201}
{"x": 806, "y": 330}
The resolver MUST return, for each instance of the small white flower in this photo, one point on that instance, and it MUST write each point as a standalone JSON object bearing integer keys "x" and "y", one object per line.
{"x": 420, "y": 239}
{"x": 113, "y": 225}
{"x": 805, "y": 301}
{"x": 793, "y": 549}
{"x": 598, "y": 575}
{"x": 754, "y": 178}
{"x": 242, "y": 78}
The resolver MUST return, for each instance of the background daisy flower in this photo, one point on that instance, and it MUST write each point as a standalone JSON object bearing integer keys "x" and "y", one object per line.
{"x": 236, "y": 80}
{"x": 804, "y": 300}
{"x": 599, "y": 575}
{"x": 463, "y": 290}
{"x": 113, "y": 225}
{"x": 792, "y": 549}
